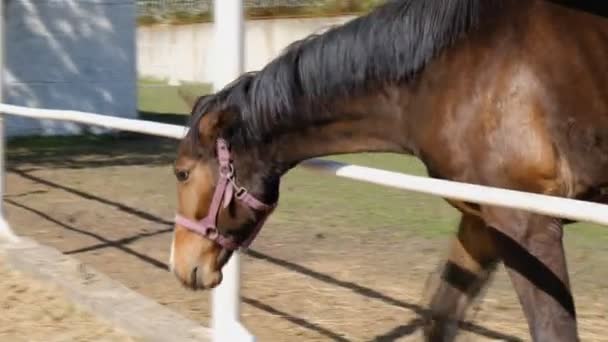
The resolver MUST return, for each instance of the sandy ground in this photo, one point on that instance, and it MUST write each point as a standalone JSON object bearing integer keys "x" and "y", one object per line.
{"x": 36, "y": 311}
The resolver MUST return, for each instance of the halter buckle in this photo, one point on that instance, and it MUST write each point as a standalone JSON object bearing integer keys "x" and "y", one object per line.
{"x": 212, "y": 233}
{"x": 227, "y": 171}
{"x": 240, "y": 192}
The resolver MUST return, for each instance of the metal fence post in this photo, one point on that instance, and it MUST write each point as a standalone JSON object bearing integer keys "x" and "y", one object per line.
{"x": 229, "y": 44}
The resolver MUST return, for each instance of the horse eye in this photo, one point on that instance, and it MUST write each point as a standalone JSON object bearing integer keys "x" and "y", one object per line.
{"x": 182, "y": 175}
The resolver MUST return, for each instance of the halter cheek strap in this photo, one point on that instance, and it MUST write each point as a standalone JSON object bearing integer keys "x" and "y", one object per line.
{"x": 226, "y": 191}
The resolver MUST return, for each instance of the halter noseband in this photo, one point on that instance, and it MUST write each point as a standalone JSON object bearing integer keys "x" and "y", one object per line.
{"x": 226, "y": 190}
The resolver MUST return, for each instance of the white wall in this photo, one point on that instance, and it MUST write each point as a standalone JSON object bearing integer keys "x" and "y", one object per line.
{"x": 185, "y": 51}
{"x": 69, "y": 54}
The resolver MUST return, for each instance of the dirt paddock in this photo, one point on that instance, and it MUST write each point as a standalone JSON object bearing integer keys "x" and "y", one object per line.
{"x": 310, "y": 276}
{"x": 36, "y": 311}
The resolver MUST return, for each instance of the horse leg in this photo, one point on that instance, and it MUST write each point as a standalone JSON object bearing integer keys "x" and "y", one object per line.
{"x": 469, "y": 265}
{"x": 531, "y": 248}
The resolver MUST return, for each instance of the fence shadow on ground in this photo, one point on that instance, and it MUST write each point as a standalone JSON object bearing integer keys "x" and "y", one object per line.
{"x": 91, "y": 152}
{"x": 122, "y": 244}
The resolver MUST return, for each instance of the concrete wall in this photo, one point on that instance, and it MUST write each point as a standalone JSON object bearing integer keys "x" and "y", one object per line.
{"x": 69, "y": 54}
{"x": 185, "y": 52}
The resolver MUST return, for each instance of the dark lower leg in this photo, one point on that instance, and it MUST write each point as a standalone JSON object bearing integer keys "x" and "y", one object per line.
{"x": 470, "y": 263}
{"x": 536, "y": 263}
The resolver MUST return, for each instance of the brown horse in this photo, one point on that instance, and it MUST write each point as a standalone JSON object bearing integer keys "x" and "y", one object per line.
{"x": 505, "y": 93}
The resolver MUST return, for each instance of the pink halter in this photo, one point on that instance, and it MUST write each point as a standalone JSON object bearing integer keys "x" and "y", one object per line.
{"x": 226, "y": 190}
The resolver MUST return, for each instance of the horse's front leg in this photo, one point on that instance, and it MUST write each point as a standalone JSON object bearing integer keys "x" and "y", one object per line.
{"x": 532, "y": 251}
{"x": 471, "y": 261}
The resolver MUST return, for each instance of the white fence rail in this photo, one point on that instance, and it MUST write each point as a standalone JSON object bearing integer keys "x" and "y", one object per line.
{"x": 112, "y": 122}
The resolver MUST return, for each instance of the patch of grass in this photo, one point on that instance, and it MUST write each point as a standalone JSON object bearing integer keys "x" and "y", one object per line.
{"x": 59, "y": 142}
{"x": 339, "y": 202}
{"x": 587, "y": 234}
{"x": 70, "y": 145}
{"x": 89, "y": 151}
{"x": 156, "y": 96}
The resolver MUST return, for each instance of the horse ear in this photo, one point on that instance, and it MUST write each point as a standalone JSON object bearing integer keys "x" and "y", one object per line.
{"x": 213, "y": 124}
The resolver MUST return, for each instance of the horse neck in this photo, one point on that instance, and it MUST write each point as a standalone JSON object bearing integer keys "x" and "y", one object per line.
{"x": 370, "y": 123}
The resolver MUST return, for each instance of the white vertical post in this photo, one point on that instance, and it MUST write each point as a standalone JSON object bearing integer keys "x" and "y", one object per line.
{"x": 5, "y": 230}
{"x": 228, "y": 64}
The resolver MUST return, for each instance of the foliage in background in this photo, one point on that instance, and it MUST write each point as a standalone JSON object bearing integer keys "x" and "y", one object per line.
{"x": 196, "y": 11}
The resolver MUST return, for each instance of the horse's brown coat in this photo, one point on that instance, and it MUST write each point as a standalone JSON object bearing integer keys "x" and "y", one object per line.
{"x": 520, "y": 103}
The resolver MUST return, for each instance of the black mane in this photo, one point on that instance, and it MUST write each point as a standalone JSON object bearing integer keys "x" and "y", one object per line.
{"x": 389, "y": 45}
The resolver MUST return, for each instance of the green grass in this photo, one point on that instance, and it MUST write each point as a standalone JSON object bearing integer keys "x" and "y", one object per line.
{"x": 352, "y": 205}
{"x": 57, "y": 142}
{"x": 156, "y": 96}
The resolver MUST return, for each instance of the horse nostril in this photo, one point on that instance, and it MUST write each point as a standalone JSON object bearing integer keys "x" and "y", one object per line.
{"x": 193, "y": 277}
